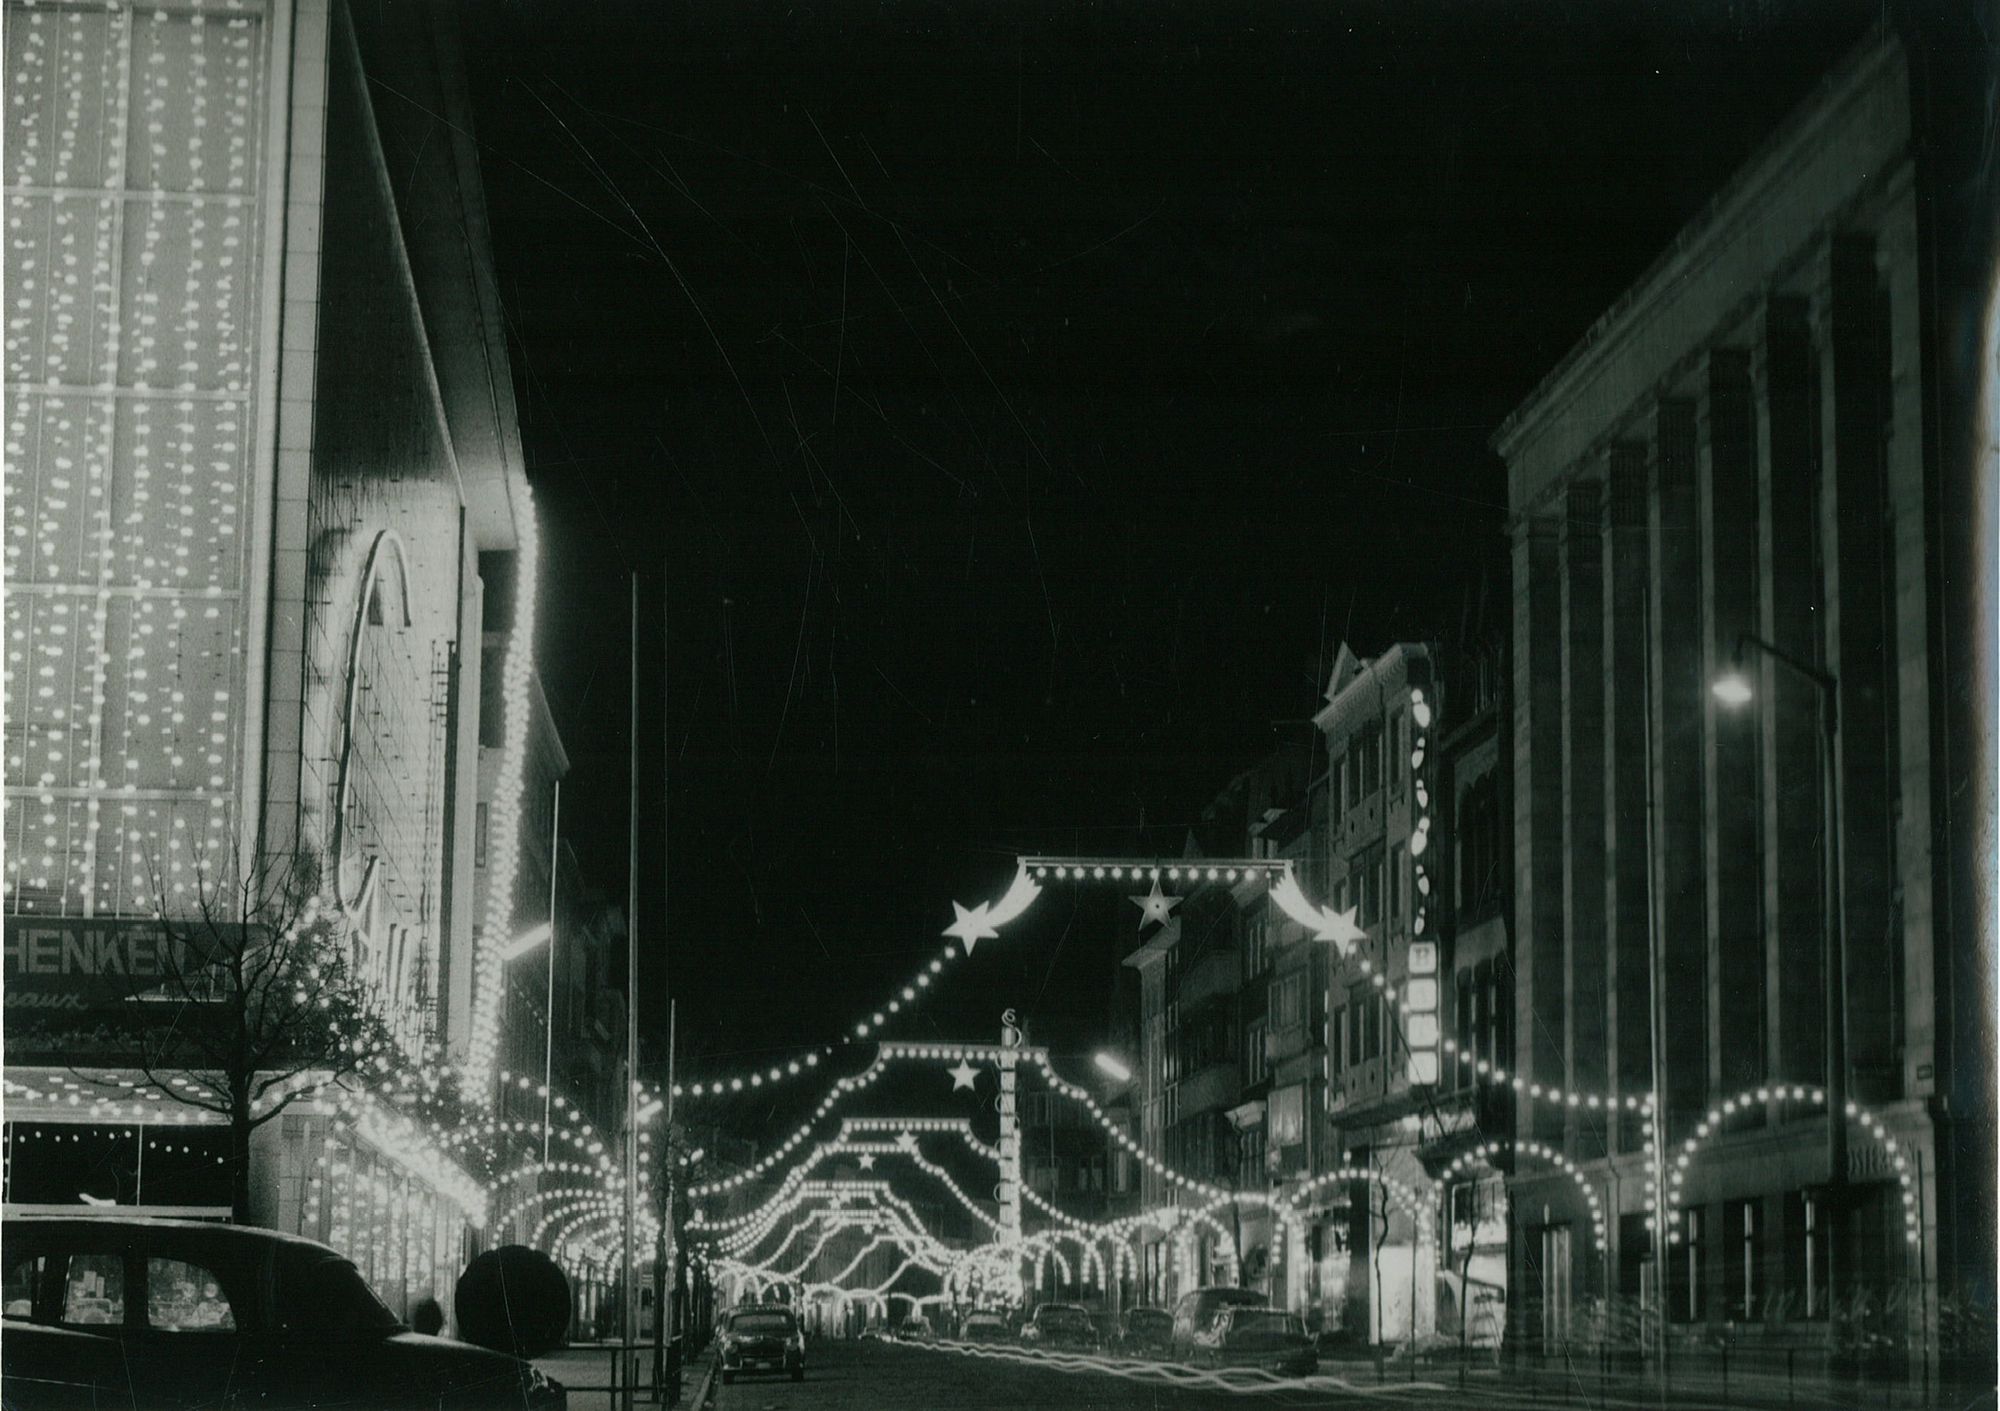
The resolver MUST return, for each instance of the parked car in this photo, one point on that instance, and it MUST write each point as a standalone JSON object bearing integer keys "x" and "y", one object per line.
{"x": 766, "y": 1337}
{"x": 1198, "y": 1309}
{"x": 1244, "y": 1336}
{"x": 146, "y": 1314}
{"x": 1146, "y": 1332}
{"x": 985, "y": 1327}
{"x": 916, "y": 1328}
{"x": 1064, "y": 1325}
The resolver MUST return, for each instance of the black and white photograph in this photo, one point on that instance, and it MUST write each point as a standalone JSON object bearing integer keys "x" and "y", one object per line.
{"x": 1012, "y": 705}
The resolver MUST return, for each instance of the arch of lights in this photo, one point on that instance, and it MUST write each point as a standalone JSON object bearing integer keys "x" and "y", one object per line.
{"x": 1754, "y": 1099}
{"x": 1461, "y": 1165}
{"x": 984, "y": 921}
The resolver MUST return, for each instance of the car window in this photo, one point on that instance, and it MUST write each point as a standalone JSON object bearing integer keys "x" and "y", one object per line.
{"x": 94, "y": 1291}
{"x": 23, "y": 1282}
{"x": 186, "y": 1298}
{"x": 755, "y": 1323}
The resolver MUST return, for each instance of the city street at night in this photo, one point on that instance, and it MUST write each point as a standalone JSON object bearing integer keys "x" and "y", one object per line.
{"x": 999, "y": 705}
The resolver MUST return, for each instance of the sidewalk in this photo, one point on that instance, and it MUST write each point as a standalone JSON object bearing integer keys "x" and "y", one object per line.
{"x": 1588, "y": 1379}
{"x": 589, "y": 1371}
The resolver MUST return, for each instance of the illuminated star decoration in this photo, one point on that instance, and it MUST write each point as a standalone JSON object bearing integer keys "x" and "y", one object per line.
{"x": 1324, "y": 922}
{"x": 1155, "y": 907}
{"x": 962, "y": 1076}
{"x": 868, "y": 1161}
{"x": 983, "y": 922}
{"x": 908, "y": 1141}
{"x": 972, "y": 926}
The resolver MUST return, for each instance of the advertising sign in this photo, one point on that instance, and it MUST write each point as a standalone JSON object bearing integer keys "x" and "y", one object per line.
{"x": 71, "y": 983}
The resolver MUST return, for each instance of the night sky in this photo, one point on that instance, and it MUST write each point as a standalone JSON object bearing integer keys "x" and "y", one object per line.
{"x": 1010, "y": 407}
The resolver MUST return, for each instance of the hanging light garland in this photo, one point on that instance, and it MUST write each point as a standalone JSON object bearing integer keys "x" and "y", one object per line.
{"x": 1461, "y": 1165}
{"x": 517, "y": 684}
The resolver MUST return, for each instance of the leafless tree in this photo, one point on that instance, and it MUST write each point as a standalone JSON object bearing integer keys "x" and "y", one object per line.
{"x": 260, "y": 1004}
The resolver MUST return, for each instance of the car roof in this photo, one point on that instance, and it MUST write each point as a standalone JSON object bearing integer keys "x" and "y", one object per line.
{"x": 139, "y": 1224}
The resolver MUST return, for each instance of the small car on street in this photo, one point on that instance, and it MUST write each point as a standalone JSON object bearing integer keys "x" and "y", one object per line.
{"x": 1266, "y": 1338}
{"x": 1145, "y": 1332}
{"x": 764, "y": 1337}
{"x": 985, "y": 1328}
{"x": 916, "y": 1328}
{"x": 1060, "y": 1325}
{"x": 153, "y": 1314}
{"x": 1198, "y": 1309}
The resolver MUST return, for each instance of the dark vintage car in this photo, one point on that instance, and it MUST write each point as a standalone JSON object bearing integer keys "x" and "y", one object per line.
{"x": 1198, "y": 1309}
{"x": 1146, "y": 1332}
{"x": 1063, "y": 1325}
{"x": 141, "y": 1314}
{"x": 766, "y": 1337}
{"x": 1258, "y": 1337}
{"x": 985, "y": 1327}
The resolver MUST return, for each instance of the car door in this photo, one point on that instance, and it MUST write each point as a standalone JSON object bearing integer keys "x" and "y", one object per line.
{"x": 192, "y": 1342}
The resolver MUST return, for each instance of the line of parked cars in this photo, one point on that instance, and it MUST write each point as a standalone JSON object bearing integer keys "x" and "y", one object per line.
{"x": 1209, "y": 1327}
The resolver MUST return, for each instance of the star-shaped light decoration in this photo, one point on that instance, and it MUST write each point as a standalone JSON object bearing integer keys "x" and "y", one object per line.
{"x": 868, "y": 1161}
{"x": 962, "y": 1076}
{"x": 972, "y": 926}
{"x": 1156, "y": 907}
{"x": 908, "y": 1141}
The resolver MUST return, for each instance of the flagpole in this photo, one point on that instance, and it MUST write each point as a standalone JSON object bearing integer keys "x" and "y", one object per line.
{"x": 631, "y": 1286}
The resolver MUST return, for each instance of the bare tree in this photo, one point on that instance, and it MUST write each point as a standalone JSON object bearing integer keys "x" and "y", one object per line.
{"x": 261, "y": 1003}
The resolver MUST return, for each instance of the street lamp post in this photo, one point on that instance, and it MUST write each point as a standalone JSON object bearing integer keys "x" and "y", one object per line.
{"x": 1734, "y": 690}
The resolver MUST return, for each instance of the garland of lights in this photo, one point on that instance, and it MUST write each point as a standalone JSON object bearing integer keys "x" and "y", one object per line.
{"x": 972, "y": 925}
{"x": 517, "y": 669}
{"x": 1754, "y": 1098}
{"x": 1461, "y": 1165}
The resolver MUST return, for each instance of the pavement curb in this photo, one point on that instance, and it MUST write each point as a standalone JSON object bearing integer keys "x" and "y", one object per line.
{"x": 704, "y": 1390}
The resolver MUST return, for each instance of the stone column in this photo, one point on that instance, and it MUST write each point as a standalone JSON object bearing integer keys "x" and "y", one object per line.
{"x": 1794, "y": 889}
{"x": 1678, "y": 694}
{"x": 1628, "y": 891}
{"x": 1854, "y": 411}
{"x": 1733, "y": 814}
{"x": 1539, "y": 973}
{"x": 1583, "y": 799}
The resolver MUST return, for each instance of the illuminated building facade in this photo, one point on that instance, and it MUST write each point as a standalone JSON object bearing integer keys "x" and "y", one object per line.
{"x": 1378, "y": 1103}
{"x": 1748, "y": 443}
{"x": 260, "y": 442}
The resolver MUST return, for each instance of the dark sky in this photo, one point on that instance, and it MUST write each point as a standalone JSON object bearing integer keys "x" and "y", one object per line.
{"x": 1013, "y": 404}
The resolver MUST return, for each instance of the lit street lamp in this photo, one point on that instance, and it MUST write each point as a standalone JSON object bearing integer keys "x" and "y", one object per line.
{"x": 1111, "y": 1067}
{"x": 526, "y": 942}
{"x": 1733, "y": 690}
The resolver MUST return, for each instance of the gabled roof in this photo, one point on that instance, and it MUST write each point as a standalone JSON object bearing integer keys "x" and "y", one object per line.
{"x": 1346, "y": 666}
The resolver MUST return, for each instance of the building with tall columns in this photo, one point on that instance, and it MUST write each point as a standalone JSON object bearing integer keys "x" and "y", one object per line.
{"x": 1738, "y": 467}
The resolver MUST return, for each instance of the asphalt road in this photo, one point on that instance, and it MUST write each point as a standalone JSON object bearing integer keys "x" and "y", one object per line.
{"x": 886, "y": 1376}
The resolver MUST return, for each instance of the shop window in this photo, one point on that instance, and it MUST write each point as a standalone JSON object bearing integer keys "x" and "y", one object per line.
{"x": 1687, "y": 1282}
{"x": 1743, "y": 1225}
{"x": 185, "y": 1298}
{"x": 94, "y": 1292}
